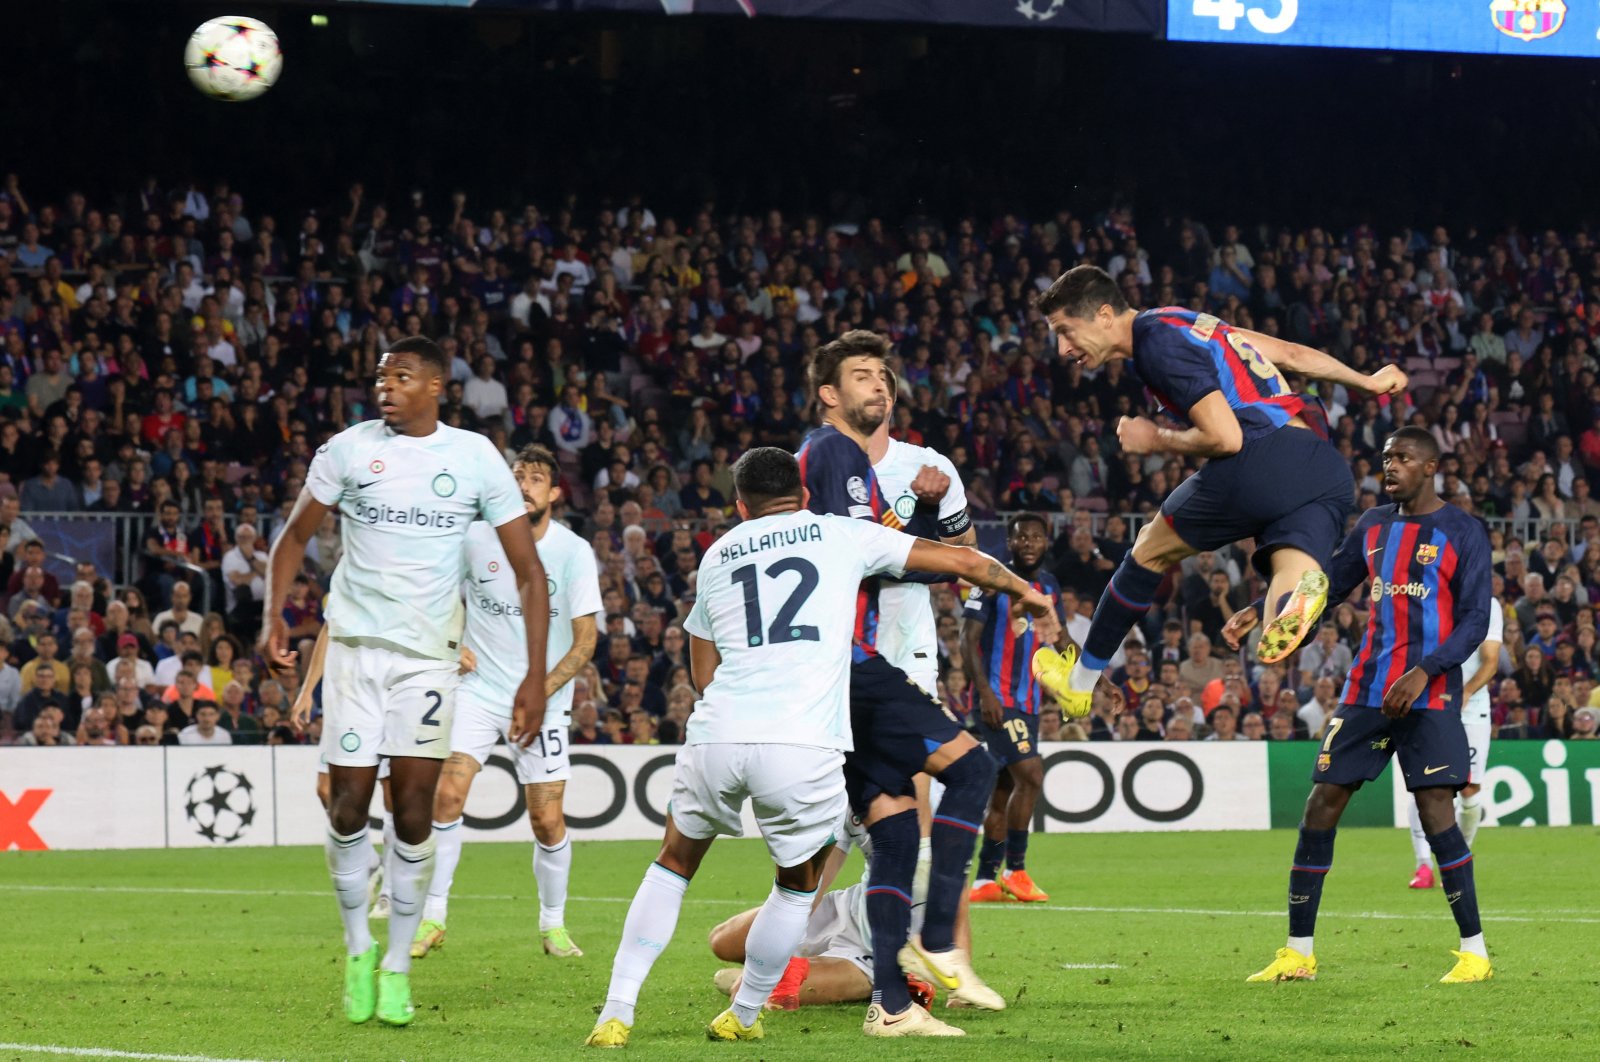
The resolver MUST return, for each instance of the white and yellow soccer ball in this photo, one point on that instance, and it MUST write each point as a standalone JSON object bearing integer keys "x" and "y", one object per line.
{"x": 233, "y": 58}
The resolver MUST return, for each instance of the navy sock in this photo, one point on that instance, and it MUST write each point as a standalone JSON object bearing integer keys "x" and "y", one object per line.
{"x": 968, "y": 783}
{"x": 1313, "y": 858}
{"x": 1127, "y": 598}
{"x": 1016, "y": 849}
{"x": 894, "y": 863}
{"x": 1455, "y": 867}
{"x": 990, "y": 855}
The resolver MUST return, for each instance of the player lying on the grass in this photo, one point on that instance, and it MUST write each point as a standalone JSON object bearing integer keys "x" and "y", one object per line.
{"x": 299, "y": 719}
{"x": 900, "y": 729}
{"x": 1430, "y": 569}
{"x": 769, "y": 648}
{"x": 1271, "y": 474}
{"x": 407, "y": 487}
{"x": 495, "y": 638}
{"x": 1476, "y": 673}
{"x": 998, "y": 657}
{"x": 834, "y": 963}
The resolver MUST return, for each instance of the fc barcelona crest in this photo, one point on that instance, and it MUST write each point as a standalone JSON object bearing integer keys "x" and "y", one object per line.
{"x": 1528, "y": 20}
{"x": 1427, "y": 554}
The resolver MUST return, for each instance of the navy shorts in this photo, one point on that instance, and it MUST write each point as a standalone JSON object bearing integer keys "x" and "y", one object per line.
{"x": 1289, "y": 488}
{"x": 1014, "y": 740}
{"x": 1431, "y": 744}
{"x": 896, "y": 727}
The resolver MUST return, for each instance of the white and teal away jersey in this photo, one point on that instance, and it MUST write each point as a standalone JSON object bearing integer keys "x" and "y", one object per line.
{"x": 406, "y": 504}
{"x": 777, "y": 596}
{"x": 1476, "y": 707}
{"x": 907, "y": 637}
{"x": 495, "y": 632}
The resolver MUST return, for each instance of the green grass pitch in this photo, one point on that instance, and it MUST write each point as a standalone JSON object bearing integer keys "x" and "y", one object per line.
{"x": 1142, "y": 953}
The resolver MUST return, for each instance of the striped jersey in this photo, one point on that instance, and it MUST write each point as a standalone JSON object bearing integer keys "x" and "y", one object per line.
{"x": 1429, "y": 603}
{"x": 839, "y": 476}
{"x": 1182, "y": 356}
{"x": 1007, "y": 652}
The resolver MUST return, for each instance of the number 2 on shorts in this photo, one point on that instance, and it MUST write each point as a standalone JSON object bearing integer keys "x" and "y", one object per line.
{"x": 438, "y": 699}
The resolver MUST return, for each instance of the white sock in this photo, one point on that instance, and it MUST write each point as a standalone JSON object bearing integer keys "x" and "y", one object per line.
{"x": 1301, "y": 944}
{"x": 652, "y": 917}
{"x": 551, "y": 869}
{"x": 775, "y": 936}
{"x": 1473, "y": 945}
{"x": 1470, "y": 816}
{"x": 446, "y": 855}
{"x": 374, "y": 857}
{"x": 1083, "y": 679}
{"x": 388, "y": 846}
{"x": 347, "y": 865}
{"x": 410, "y": 867}
{"x": 1419, "y": 840}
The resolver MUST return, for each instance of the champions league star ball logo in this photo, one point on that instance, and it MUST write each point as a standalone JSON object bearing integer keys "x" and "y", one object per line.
{"x": 1039, "y": 10}
{"x": 221, "y": 804}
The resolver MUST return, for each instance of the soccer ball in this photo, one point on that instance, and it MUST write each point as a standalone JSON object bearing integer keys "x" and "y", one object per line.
{"x": 233, "y": 58}
{"x": 220, "y": 804}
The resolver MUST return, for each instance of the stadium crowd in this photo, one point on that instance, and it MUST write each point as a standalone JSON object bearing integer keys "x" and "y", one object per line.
{"x": 178, "y": 357}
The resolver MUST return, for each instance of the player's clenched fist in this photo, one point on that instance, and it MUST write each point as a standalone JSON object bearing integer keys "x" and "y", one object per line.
{"x": 1138, "y": 435}
{"x": 1389, "y": 380}
{"x": 930, "y": 484}
{"x": 1239, "y": 624}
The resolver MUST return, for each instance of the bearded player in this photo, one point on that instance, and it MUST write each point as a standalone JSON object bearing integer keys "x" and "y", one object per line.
{"x": 495, "y": 636}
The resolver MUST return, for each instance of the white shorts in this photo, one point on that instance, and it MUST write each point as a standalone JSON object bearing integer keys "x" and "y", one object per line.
{"x": 796, "y": 791}
{"x": 834, "y": 931}
{"x": 322, "y": 760}
{"x": 382, "y": 702}
{"x": 1478, "y": 744}
{"x": 478, "y": 728}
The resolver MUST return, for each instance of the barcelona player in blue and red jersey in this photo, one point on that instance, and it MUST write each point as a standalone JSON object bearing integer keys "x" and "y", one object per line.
{"x": 898, "y": 729}
{"x": 1430, "y": 569}
{"x": 1271, "y": 473}
{"x": 998, "y": 654}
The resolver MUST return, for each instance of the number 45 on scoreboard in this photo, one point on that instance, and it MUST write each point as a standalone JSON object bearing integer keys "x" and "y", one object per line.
{"x": 1228, "y": 12}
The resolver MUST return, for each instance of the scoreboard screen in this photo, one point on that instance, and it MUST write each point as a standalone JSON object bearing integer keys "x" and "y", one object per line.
{"x": 1502, "y": 27}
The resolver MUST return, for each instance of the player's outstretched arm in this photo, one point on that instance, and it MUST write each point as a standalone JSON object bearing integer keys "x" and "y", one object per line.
{"x": 980, "y": 569}
{"x": 1307, "y": 361}
{"x": 300, "y": 715}
{"x": 288, "y": 554}
{"x": 527, "y": 711}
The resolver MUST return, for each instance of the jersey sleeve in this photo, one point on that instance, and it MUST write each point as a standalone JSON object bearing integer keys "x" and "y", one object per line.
{"x": 1497, "y": 622}
{"x": 980, "y": 603}
{"x": 954, "y": 519}
{"x": 839, "y": 477}
{"x": 881, "y": 550}
{"x": 500, "y": 501}
{"x": 1174, "y": 359}
{"x": 583, "y": 579}
{"x": 1347, "y": 569}
{"x": 325, "y": 479}
{"x": 1472, "y": 588}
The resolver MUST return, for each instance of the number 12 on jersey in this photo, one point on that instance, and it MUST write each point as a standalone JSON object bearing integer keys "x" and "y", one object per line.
{"x": 784, "y": 628}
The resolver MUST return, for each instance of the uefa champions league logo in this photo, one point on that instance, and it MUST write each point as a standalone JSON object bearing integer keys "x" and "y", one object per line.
{"x": 220, "y": 803}
{"x": 1040, "y": 10}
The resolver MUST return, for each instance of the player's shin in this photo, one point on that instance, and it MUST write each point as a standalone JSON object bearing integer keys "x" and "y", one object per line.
{"x": 347, "y": 865}
{"x": 552, "y": 867}
{"x": 1455, "y": 868}
{"x": 894, "y": 865}
{"x": 774, "y": 937}
{"x": 1313, "y": 858}
{"x": 968, "y": 782}
{"x": 1127, "y": 598}
{"x": 648, "y": 929}
{"x": 410, "y": 868}
{"x": 447, "y": 838}
{"x": 990, "y": 855}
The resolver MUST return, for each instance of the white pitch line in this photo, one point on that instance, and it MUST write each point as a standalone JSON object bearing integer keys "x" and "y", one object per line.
{"x": 1499, "y": 916}
{"x": 1091, "y": 966}
{"x": 106, "y": 1052}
